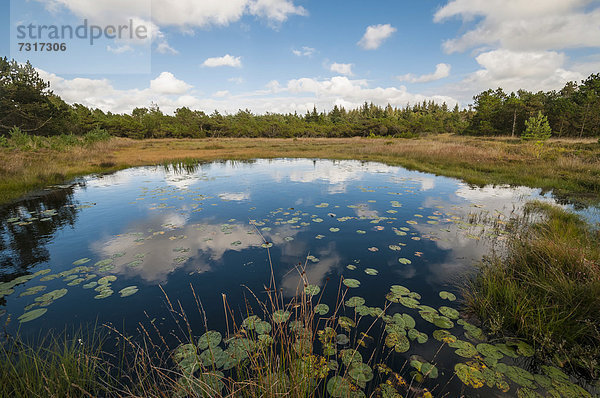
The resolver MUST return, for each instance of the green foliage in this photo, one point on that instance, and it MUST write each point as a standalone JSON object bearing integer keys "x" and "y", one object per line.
{"x": 27, "y": 102}
{"x": 546, "y": 288}
{"x": 537, "y": 128}
{"x": 57, "y": 367}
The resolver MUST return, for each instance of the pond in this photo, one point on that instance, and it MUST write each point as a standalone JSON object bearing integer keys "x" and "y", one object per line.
{"x": 109, "y": 250}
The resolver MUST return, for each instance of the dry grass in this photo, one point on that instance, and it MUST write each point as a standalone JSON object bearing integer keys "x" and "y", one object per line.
{"x": 570, "y": 167}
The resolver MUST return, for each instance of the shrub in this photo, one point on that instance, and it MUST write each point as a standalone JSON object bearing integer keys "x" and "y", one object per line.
{"x": 537, "y": 128}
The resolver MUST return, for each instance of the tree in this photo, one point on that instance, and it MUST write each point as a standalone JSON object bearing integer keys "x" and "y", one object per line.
{"x": 27, "y": 102}
{"x": 537, "y": 128}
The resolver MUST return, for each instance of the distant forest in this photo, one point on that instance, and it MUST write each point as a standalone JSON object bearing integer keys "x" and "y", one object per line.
{"x": 27, "y": 102}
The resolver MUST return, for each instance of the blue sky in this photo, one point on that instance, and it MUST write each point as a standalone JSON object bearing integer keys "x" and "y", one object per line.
{"x": 289, "y": 55}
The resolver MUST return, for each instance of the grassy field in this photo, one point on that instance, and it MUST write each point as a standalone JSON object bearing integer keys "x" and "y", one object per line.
{"x": 570, "y": 168}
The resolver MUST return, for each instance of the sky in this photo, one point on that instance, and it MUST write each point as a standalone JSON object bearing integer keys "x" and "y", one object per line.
{"x": 283, "y": 56}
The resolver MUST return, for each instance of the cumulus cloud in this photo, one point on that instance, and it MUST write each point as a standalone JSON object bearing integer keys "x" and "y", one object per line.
{"x": 304, "y": 52}
{"x": 535, "y": 25}
{"x": 166, "y": 83}
{"x": 119, "y": 49}
{"x": 182, "y": 13}
{"x": 226, "y": 60}
{"x": 297, "y": 95}
{"x": 514, "y": 70}
{"x": 344, "y": 69}
{"x": 375, "y": 35}
{"x": 441, "y": 71}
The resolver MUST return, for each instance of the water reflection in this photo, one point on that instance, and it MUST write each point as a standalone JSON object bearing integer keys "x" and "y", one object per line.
{"x": 27, "y": 227}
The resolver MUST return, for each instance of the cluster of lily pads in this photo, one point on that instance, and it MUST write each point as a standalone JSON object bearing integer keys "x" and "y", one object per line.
{"x": 480, "y": 363}
{"x": 80, "y": 274}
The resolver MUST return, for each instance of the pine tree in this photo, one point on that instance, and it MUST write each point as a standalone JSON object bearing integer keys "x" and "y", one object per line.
{"x": 537, "y": 128}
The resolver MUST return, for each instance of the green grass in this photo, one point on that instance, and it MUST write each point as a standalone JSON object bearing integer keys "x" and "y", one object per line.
{"x": 52, "y": 367}
{"x": 545, "y": 287}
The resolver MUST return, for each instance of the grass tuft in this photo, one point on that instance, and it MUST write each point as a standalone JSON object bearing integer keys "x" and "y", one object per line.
{"x": 546, "y": 287}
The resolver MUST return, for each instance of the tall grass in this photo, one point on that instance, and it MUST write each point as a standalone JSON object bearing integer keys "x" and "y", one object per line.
{"x": 53, "y": 366}
{"x": 546, "y": 287}
{"x": 21, "y": 141}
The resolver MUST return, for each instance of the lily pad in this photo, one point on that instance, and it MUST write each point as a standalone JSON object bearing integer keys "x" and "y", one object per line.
{"x": 321, "y": 309}
{"x": 352, "y": 283}
{"x": 281, "y": 316}
{"x": 469, "y": 375}
{"x": 443, "y": 322}
{"x": 361, "y": 373}
{"x": 312, "y": 290}
{"x": 82, "y": 261}
{"x": 355, "y": 302}
{"x": 450, "y": 313}
{"x": 447, "y": 296}
{"x": 371, "y": 271}
{"x": 128, "y": 291}
{"x": 105, "y": 280}
{"x": 210, "y": 339}
{"x": 404, "y": 261}
{"x": 31, "y": 315}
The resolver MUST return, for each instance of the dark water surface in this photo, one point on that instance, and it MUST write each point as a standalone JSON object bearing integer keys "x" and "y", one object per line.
{"x": 201, "y": 227}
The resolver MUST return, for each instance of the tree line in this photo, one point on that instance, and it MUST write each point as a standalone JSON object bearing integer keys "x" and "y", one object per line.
{"x": 28, "y": 103}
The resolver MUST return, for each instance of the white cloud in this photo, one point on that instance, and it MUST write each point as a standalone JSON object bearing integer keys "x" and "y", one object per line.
{"x": 441, "y": 71}
{"x": 304, "y": 52}
{"x": 297, "y": 95}
{"x": 226, "y": 60}
{"x": 166, "y": 83}
{"x": 516, "y": 25}
{"x": 375, "y": 35}
{"x": 514, "y": 70}
{"x": 275, "y": 10}
{"x": 164, "y": 48}
{"x": 236, "y": 80}
{"x": 221, "y": 94}
{"x": 119, "y": 49}
{"x": 344, "y": 69}
{"x": 182, "y": 13}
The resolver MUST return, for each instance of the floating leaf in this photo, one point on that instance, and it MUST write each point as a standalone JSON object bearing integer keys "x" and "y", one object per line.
{"x": 334, "y": 229}
{"x": 105, "y": 280}
{"x": 81, "y": 261}
{"x": 103, "y": 263}
{"x": 312, "y": 290}
{"x": 469, "y": 375}
{"x": 33, "y": 290}
{"x": 31, "y": 315}
{"x": 371, "y": 271}
{"x": 355, "y": 302}
{"x": 128, "y": 291}
{"x": 104, "y": 294}
{"x": 342, "y": 339}
{"x": 464, "y": 348}
{"x": 361, "y": 373}
{"x": 350, "y": 356}
{"x": 321, "y": 309}
{"x": 346, "y": 323}
{"x": 449, "y": 312}
{"x": 338, "y": 387}
{"x": 281, "y": 316}
{"x": 489, "y": 350}
{"x": 352, "y": 283}
{"x": 447, "y": 296}
{"x": 262, "y": 327}
{"x": 210, "y": 339}
{"x": 404, "y": 261}
{"x": 443, "y": 322}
